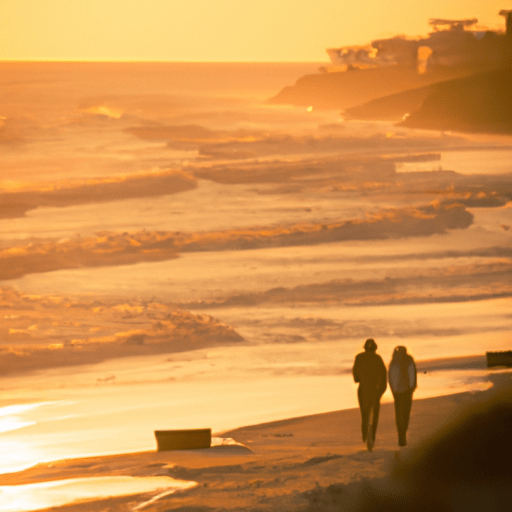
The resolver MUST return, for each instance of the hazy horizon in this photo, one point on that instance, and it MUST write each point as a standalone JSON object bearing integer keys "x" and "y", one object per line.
{"x": 227, "y": 30}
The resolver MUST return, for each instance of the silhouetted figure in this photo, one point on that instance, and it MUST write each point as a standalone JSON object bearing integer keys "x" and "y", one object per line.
{"x": 402, "y": 381}
{"x": 370, "y": 372}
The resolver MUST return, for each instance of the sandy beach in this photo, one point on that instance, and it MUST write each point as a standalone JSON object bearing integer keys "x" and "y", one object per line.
{"x": 179, "y": 254}
{"x": 310, "y": 463}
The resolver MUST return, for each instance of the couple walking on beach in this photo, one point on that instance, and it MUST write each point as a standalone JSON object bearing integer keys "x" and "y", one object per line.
{"x": 370, "y": 372}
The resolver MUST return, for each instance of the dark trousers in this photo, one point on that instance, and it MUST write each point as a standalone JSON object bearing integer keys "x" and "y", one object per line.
{"x": 403, "y": 404}
{"x": 366, "y": 401}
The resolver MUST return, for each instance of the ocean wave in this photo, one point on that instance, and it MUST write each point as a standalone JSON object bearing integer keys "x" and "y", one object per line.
{"x": 36, "y": 333}
{"x": 141, "y": 107}
{"x": 192, "y": 135}
{"x": 250, "y": 143}
{"x": 66, "y": 193}
{"x": 112, "y": 249}
{"x": 470, "y": 282}
{"x": 105, "y": 249}
{"x": 391, "y": 223}
{"x": 351, "y": 174}
{"x": 283, "y": 144}
{"x": 365, "y": 174}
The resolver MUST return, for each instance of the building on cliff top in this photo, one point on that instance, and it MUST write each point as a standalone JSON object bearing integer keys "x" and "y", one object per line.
{"x": 451, "y": 43}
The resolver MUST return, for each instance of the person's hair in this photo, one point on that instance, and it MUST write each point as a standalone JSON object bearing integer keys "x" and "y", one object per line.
{"x": 399, "y": 351}
{"x": 370, "y": 345}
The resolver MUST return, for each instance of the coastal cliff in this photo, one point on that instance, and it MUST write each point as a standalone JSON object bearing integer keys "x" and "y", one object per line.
{"x": 479, "y": 103}
{"x": 352, "y": 88}
{"x": 457, "y": 78}
{"x": 460, "y": 99}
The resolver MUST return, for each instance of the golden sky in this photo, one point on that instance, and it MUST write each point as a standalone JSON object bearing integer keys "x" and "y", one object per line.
{"x": 217, "y": 30}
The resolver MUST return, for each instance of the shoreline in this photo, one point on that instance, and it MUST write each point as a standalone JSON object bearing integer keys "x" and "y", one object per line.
{"x": 437, "y": 378}
{"x": 274, "y": 464}
{"x": 245, "y": 442}
{"x": 448, "y": 409}
{"x": 285, "y": 465}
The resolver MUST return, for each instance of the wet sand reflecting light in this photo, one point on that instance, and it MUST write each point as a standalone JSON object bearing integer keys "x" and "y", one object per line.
{"x": 38, "y": 496}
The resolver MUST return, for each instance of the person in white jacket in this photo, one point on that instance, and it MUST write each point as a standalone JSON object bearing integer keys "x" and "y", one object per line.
{"x": 402, "y": 378}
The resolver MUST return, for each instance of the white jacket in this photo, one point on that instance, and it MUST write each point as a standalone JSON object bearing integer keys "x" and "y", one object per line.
{"x": 402, "y": 374}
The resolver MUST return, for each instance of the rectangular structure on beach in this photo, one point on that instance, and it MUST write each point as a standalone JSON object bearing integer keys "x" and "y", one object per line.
{"x": 499, "y": 358}
{"x": 189, "y": 439}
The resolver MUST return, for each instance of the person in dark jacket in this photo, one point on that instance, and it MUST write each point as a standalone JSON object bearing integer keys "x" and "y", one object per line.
{"x": 370, "y": 372}
{"x": 402, "y": 381}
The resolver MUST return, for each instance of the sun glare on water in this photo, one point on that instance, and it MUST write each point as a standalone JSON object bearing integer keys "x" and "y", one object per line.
{"x": 9, "y": 420}
{"x": 10, "y": 415}
{"x": 17, "y": 455}
{"x": 25, "y": 498}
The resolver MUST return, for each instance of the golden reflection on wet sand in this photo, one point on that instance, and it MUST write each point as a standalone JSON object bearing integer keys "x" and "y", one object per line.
{"x": 38, "y": 496}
